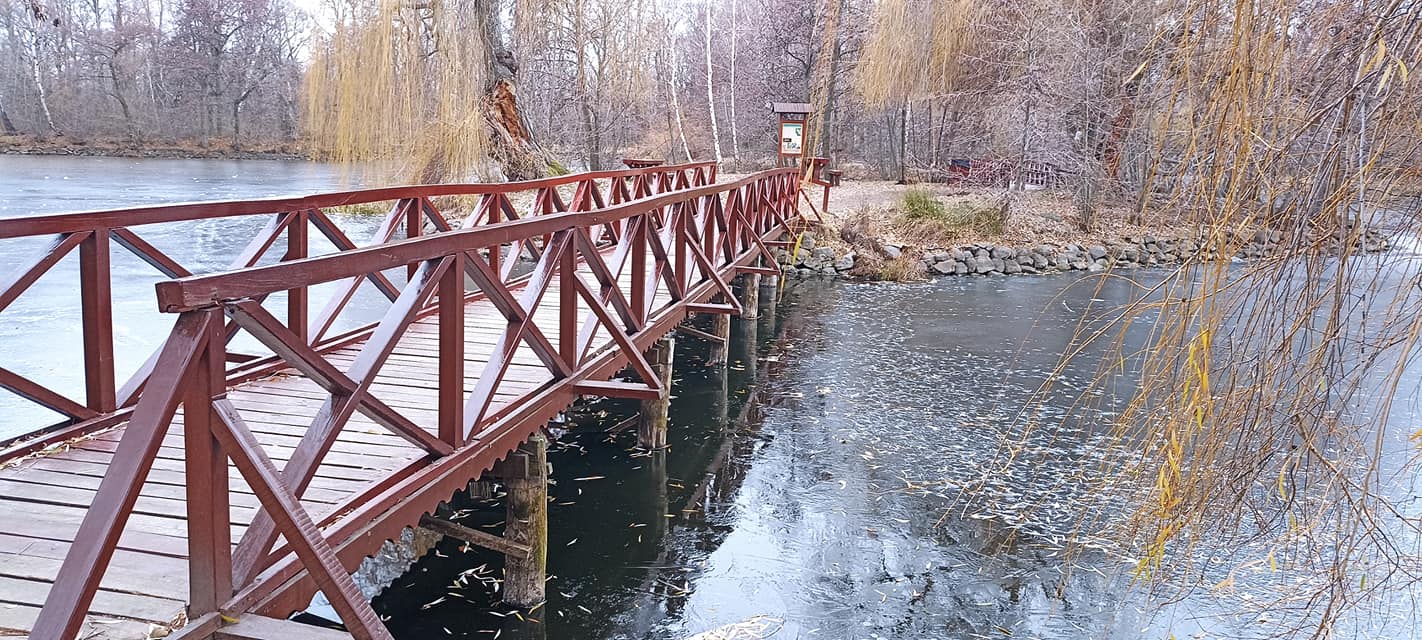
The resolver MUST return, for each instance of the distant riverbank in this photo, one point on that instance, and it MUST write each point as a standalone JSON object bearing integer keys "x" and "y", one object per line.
{"x": 220, "y": 149}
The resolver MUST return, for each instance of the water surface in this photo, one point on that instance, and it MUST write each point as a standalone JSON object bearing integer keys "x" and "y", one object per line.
{"x": 817, "y": 486}
{"x": 40, "y": 332}
{"x": 815, "y": 483}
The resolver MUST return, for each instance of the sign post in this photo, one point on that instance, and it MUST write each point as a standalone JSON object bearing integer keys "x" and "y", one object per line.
{"x": 791, "y": 144}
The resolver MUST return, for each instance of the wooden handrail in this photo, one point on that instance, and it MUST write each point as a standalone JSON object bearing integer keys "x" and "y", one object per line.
{"x": 196, "y": 292}
{"x": 16, "y": 227}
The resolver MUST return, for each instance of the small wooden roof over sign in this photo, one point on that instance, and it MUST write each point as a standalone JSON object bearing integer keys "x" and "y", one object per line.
{"x": 791, "y": 107}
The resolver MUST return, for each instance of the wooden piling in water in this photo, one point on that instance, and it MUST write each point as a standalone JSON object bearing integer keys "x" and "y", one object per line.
{"x": 750, "y": 296}
{"x": 525, "y": 475}
{"x": 652, "y": 423}
{"x": 770, "y": 286}
{"x": 721, "y": 328}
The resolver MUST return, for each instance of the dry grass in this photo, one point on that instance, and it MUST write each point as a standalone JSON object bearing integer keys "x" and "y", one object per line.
{"x": 923, "y": 216}
{"x": 876, "y": 268}
{"x": 1031, "y": 217}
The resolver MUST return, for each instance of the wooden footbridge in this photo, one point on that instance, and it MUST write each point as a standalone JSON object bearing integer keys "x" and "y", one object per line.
{"x": 222, "y": 490}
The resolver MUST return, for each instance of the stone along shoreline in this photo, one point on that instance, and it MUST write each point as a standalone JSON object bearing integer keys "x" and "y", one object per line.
{"x": 982, "y": 258}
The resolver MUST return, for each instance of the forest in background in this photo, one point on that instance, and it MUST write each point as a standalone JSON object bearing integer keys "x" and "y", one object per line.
{"x": 152, "y": 70}
{"x": 1107, "y": 96}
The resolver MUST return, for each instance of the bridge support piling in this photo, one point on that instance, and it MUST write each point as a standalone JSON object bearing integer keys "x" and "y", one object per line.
{"x": 770, "y": 288}
{"x": 746, "y": 347}
{"x": 652, "y": 422}
{"x": 525, "y": 474}
{"x": 750, "y": 296}
{"x": 721, "y": 328}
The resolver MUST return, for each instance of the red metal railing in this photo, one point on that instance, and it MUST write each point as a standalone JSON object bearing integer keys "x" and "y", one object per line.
{"x": 676, "y": 252}
{"x": 412, "y": 213}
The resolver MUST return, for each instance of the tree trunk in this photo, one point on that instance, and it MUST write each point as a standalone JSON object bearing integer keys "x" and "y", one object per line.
{"x": 37, "y": 76}
{"x": 6, "y": 126}
{"x": 903, "y": 143}
{"x": 735, "y": 135}
{"x": 116, "y": 89}
{"x": 512, "y": 146}
{"x": 663, "y": 66}
{"x": 825, "y": 138}
{"x": 1086, "y": 190}
{"x": 236, "y": 123}
{"x": 672, "y": 83}
{"x": 585, "y": 107}
{"x": 710, "y": 91}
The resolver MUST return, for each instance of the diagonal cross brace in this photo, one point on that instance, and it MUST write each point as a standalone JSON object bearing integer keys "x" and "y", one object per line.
{"x": 88, "y": 558}
{"x": 295, "y": 523}
{"x": 349, "y": 393}
{"x": 521, "y": 328}
{"x": 691, "y": 242}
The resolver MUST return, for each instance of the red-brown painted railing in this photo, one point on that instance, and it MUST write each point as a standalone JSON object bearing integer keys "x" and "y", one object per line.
{"x": 412, "y": 212}
{"x": 684, "y": 245}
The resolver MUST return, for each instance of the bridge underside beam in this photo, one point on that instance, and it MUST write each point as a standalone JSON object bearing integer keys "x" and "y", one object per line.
{"x": 475, "y": 537}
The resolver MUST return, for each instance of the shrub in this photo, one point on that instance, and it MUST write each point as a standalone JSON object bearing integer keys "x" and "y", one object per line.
{"x": 901, "y": 269}
{"x": 982, "y": 218}
{"x": 920, "y": 204}
{"x": 930, "y": 220}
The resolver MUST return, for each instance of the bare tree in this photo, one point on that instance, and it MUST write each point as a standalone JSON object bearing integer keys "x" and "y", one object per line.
{"x": 735, "y": 135}
{"x": 39, "y": 24}
{"x": 710, "y": 89}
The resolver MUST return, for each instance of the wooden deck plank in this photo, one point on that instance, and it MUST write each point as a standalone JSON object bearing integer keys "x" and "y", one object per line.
{"x": 16, "y": 621}
{"x": 130, "y": 572}
{"x": 106, "y": 602}
{"x": 166, "y": 477}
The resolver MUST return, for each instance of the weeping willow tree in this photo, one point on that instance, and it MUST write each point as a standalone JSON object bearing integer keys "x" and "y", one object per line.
{"x": 915, "y": 51}
{"x": 1262, "y": 439}
{"x": 1264, "y": 416}
{"x": 419, "y": 91}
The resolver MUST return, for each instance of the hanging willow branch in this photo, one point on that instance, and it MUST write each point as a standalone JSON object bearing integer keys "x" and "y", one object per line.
{"x": 1262, "y": 440}
{"x": 400, "y": 88}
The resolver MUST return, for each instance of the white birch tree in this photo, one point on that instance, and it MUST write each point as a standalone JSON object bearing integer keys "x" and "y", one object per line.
{"x": 710, "y": 91}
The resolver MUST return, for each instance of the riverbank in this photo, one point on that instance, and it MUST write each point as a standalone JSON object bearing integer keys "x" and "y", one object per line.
{"x": 216, "y": 149}
{"x": 880, "y": 260}
{"x": 885, "y": 231}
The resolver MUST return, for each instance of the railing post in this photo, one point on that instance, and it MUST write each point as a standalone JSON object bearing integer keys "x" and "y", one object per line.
{"x": 297, "y": 247}
{"x": 568, "y": 306}
{"x": 205, "y": 467}
{"x": 451, "y": 352}
{"x": 414, "y": 226}
{"x": 98, "y": 320}
{"x": 496, "y": 252}
{"x": 639, "y": 265}
{"x": 84, "y": 564}
{"x": 680, "y": 219}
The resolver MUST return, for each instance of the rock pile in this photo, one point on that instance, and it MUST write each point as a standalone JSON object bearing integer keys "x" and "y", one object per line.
{"x": 984, "y": 259}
